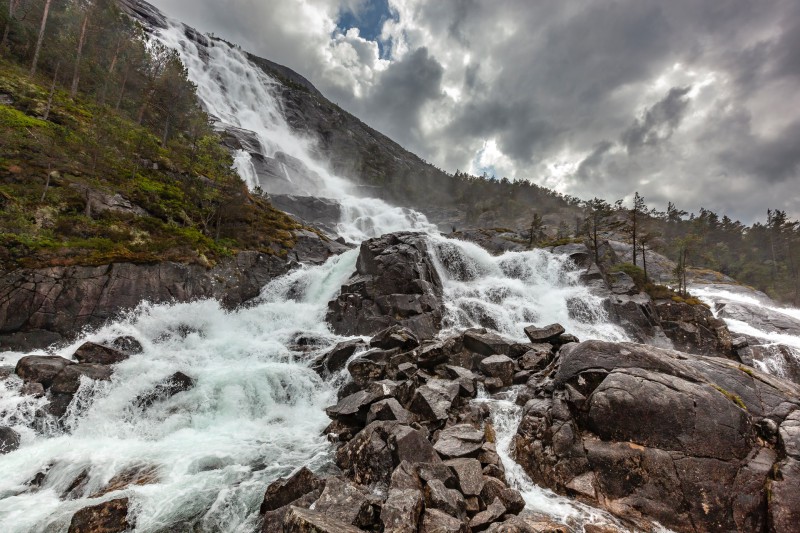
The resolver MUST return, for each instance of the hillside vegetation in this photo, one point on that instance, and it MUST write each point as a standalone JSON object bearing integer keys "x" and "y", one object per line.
{"x": 105, "y": 154}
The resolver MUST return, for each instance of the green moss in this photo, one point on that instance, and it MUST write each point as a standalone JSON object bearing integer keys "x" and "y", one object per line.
{"x": 748, "y": 371}
{"x": 195, "y": 208}
{"x": 636, "y": 273}
{"x": 12, "y": 118}
{"x": 735, "y": 398}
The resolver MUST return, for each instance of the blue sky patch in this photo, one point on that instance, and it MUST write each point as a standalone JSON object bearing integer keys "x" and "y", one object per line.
{"x": 368, "y": 19}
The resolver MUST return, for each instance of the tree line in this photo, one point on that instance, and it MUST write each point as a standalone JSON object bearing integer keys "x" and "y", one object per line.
{"x": 92, "y": 48}
{"x": 765, "y": 255}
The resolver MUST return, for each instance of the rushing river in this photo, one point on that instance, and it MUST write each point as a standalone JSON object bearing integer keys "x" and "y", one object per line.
{"x": 256, "y": 410}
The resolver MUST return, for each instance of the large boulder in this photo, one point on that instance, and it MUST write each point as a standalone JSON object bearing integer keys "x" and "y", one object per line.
{"x": 90, "y": 352}
{"x": 654, "y": 434}
{"x": 299, "y": 520}
{"x": 694, "y": 329}
{"x": 41, "y": 368}
{"x": 107, "y": 517}
{"x": 9, "y": 440}
{"x": 395, "y": 283}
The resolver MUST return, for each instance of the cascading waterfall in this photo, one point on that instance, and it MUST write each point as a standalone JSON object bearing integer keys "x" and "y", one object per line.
{"x": 508, "y": 292}
{"x": 239, "y": 94}
{"x": 772, "y": 340}
{"x": 256, "y": 411}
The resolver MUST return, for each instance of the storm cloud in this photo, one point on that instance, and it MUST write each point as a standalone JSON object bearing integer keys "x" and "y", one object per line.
{"x": 691, "y": 102}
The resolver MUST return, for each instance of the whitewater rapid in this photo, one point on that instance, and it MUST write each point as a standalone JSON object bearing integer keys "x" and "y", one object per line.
{"x": 256, "y": 410}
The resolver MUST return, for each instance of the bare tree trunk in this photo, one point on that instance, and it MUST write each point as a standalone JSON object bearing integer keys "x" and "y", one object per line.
{"x": 166, "y": 133}
{"x": 12, "y": 6}
{"x": 41, "y": 37}
{"x": 76, "y": 76}
{"x": 110, "y": 73}
{"x": 122, "y": 89}
{"x": 46, "y": 183}
{"x": 52, "y": 92}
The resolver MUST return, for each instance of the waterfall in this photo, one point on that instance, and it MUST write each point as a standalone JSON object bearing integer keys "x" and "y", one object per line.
{"x": 781, "y": 347}
{"x": 256, "y": 411}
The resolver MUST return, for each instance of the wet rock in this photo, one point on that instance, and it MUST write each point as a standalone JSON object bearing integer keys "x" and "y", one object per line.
{"x": 402, "y": 511}
{"x": 167, "y": 388}
{"x": 636, "y": 428}
{"x": 469, "y": 474}
{"x": 371, "y": 456}
{"x": 355, "y": 407}
{"x": 106, "y": 517}
{"x": 9, "y": 440}
{"x": 40, "y": 306}
{"x": 694, "y": 329}
{"x": 461, "y": 440}
{"x": 347, "y": 503}
{"x": 535, "y": 360}
{"x": 482, "y": 520}
{"x": 466, "y": 379}
{"x": 136, "y": 475}
{"x": 364, "y": 369}
{"x": 300, "y": 520}
{"x": 127, "y": 344}
{"x": 395, "y": 337}
{"x": 784, "y": 505}
{"x": 538, "y": 524}
{"x": 544, "y": 334}
{"x": 498, "y": 366}
{"x": 389, "y": 409}
{"x": 32, "y": 388}
{"x": 334, "y": 360}
{"x": 68, "y": 381}
{"x": 435, "y": 521}
{"x": 286, "y": 490}
{"x": 437, "y": 471}
{"x": 405, "y": 477}
{"x": 450, "y": 501}
{"x": 41, "y": 368}
{"x": 486, "y": 343}
{"x": 395, "y": 283}
{"x": 89, "y": 352}
{"x": 433, "y": 400}
{"x": 495, "y": 489}
{"x": 411, "y": 445}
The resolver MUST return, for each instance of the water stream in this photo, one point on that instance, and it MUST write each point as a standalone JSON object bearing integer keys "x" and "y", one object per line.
{"x": 256, "y": 411}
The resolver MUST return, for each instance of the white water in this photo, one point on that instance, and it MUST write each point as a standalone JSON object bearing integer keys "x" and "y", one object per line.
{"x": 256, "y": 411}
{"x": 508, "y": 292}
{"x": 779, "y": 345}
{"x": 239, "y": 94}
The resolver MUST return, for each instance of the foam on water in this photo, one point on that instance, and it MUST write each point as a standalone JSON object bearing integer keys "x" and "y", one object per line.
{"x": 778, "y": 345}
{"x": 238, "y": 93}
{"x": 256, "y": 410}
{"x": 508, "y": 292}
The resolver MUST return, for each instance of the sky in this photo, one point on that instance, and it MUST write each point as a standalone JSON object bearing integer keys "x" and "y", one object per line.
{"x": 696, "y": 102}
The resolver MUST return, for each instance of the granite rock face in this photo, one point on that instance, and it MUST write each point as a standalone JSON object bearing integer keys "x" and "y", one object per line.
{"x": 394, "y": 283}
{"x": 39, "y": 307}
{"x": 696, "y": 443}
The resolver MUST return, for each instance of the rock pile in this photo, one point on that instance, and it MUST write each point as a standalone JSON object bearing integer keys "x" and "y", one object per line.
{"x": 416, "y": 455}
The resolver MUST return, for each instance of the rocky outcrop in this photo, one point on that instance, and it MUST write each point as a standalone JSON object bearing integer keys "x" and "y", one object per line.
{"x": 39, "y": 307}
{"x": 693, "y": 328}
{"x": 106, "y": 517}
{"x": 394, "y": 283}
{"x": 696, "y": 443}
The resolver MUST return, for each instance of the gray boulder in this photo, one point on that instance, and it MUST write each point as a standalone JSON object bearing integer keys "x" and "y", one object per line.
{"x": 395, "y": 284}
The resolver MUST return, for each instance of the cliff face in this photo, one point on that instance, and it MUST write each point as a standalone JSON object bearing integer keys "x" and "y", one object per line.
{"x": 41, "y": 306}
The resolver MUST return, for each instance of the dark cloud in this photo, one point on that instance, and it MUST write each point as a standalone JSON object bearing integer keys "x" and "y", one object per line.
{"x": 659, "y": 121}
{"x": 775, "y": 159}
{"x": 574, "y": 95}
{"x": 397, "y": 100}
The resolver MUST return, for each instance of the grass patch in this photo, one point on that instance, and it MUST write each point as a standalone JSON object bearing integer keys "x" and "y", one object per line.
{"x": 735, "y": 398}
